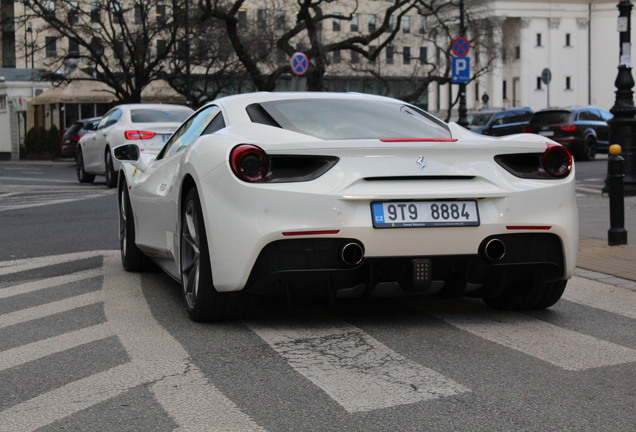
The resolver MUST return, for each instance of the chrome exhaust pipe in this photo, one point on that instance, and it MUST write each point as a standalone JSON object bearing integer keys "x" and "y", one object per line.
{"x": 352, "y": 254}
{"x": 495, "y": 250}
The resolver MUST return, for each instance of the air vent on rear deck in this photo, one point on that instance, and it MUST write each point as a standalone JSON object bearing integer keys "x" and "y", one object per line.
{"x": 419, "y": 178}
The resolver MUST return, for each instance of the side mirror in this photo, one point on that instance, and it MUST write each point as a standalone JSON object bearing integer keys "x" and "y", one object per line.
{"x": 127, "y": 153}
{"x": 130, "y": 153}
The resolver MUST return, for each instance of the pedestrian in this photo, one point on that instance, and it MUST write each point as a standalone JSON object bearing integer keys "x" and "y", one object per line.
{"x": 485, "y": 98}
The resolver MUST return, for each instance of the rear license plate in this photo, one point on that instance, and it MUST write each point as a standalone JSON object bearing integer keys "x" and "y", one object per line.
{"x": 547, "y": 133}
{"x": 424, "y": 214}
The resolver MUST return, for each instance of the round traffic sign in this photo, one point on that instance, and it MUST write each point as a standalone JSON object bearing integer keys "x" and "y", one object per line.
{"x": 546, "y": 76}
{"x": 299, "y": 63}
{"x": 460, "y": 46}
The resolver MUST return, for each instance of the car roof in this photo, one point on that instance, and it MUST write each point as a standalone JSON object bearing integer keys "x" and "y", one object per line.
{"x": 257, "y": 97}
{"x": 499, "y": 110}
{"x": 571, "y": 108}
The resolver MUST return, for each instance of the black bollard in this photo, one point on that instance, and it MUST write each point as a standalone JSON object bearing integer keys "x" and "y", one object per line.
{"x": 617, "y": 235}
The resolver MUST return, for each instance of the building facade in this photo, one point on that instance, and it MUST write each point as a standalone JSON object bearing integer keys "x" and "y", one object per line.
{"x": 576, "y": 40}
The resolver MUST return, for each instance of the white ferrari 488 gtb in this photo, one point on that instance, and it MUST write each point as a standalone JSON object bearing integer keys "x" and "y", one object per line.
{"x": 347, "y": 195}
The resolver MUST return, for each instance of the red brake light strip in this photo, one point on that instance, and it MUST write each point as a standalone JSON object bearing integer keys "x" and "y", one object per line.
{"x": 418, "y": 139}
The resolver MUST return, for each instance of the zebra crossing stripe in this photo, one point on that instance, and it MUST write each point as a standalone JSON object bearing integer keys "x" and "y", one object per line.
{"x": 157, "y": 359}
{"x": 598, "y": 295}
{"x": 48, "y": 283}
{"x": 353, "y": 368}
{"x": 561, "y": 347}
{"x": 40, "y": 349}
{"x": 42, "y": 311}
{"x": 20, "y": 265}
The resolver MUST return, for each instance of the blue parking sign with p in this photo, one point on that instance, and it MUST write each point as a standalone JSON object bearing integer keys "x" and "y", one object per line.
{"x": 460, "y": 70}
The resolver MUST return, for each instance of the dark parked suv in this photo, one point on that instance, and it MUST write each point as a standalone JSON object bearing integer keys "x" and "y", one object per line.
{"x": 73, "y": 134}
{"x": 582, "y": 129}
{"x": 499, "y": 122}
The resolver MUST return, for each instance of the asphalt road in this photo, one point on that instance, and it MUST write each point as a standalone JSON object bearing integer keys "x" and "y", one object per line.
{"x": 85, "y": 345}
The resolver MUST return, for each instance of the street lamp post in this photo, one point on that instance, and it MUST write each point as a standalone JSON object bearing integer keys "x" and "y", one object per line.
{"x": 623, "y": 125}
{"x": 187, "y": 54}
{"x": 462, "y": 120}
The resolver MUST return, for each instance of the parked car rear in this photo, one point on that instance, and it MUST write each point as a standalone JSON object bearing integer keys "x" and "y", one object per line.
{"x": 74, "y": 132}
{"x": 499, "y": 122}
{"x": 582, "y": 129}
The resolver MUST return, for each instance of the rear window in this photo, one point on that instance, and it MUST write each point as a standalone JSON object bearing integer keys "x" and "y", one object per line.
{"x": 478, "y": 119}
{"x": 146, "y": 115}
{"x": 349, "y": 119}
{"x": 551, "y": 117}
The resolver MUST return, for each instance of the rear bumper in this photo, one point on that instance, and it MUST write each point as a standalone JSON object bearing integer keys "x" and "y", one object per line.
{"x": 315, "y": 268}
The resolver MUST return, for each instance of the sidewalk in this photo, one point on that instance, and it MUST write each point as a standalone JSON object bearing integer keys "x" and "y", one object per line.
{"x": 594, "y": 252}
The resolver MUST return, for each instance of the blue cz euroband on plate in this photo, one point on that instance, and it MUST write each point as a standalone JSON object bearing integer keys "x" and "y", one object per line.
{"x": 418, "y": 214}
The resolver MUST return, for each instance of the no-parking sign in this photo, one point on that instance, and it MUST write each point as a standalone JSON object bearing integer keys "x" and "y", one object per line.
{"x": 299, "y": 63}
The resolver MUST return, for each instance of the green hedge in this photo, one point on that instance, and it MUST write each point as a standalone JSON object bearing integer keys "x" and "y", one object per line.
{"x": 42, "y": 142}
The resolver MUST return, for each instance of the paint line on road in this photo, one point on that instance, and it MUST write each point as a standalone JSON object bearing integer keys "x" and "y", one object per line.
{"x": 20, "y": 265}
{"x": 156, "y": 358}
{"x": 42, "y": 311}
{"x": 40, "y": 349}
{"x": 353, "y": 368}
{"x": 48, "y": 283}
{"x": 610, "y": 298}
{"x": 561, "y": 347}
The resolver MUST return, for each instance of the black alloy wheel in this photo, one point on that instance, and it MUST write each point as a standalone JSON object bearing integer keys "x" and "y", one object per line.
{"x": 109, "y": 170}
{"x": 132, "y": 258}
{"x": 79, "y": 169}
{"x": 202, "y": 301}
{"x": 588, "y": 152}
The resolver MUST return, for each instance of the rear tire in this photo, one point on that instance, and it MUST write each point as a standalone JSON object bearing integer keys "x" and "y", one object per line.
{"x": 132, "y": 258}
{"x": 536, "y": 295}
{"x": 79, "y": 169}
{"x": 202, "y": 301}
{"x": 109, "y": 170}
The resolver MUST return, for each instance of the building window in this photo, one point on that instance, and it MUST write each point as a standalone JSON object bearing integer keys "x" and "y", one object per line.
{"x": 161, "y": 14}
{"x": 423, "y": 55}
{"x": 389, "y": 55}
{"x": 261, "y": 18}
{"x": 371, "y": 22}
{"x": 568, "y": 83}
{"x": 95, "y": 7}
{"x": 391, "y": 26}
{"x": 539, "y": 42}
{"x": 335, "y": 22}
{"x": 337, "y": 56}
{"x": 73, "y": 12}
{"x": 568, "y": 40}
{"x": 50, "y": 47}
{"x": 73, "y": 48}
{"x": 504, "y": 90}
{"x": 281, "y": 23}
{"x": 355, "y": 22}
{"x": 406, "y": 24}
{"x": 355, "y": 57}
{"x": 517, "y": 52}
{"x": 139, "y": 14}
{"x": 406, "y": 55}
{"x": 372, "y": 49}
{"x": 49, "y": 6}
{"x": 162, "y": 47}
{"x": 539, "y": 83}
{"x": 242, "y": 18}
{"x": 118, "y": 48}
{"x": 422, "y": 28}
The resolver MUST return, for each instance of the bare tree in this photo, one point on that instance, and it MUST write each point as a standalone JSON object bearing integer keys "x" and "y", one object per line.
{"x": 302, "y": 32}
{"x": 126, "y": 44}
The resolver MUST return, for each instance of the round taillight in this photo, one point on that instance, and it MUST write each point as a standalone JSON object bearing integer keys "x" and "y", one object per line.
{"x": 557, "y": 161}
{"x": 249, "y": 163}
